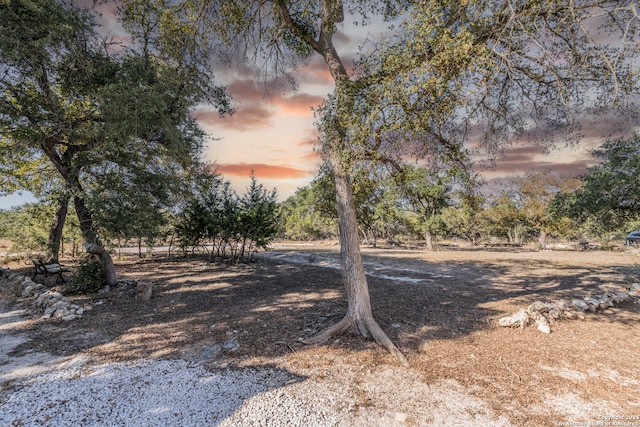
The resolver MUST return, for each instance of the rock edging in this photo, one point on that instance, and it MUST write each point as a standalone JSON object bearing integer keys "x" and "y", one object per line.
{"x": 53, "y": 304}
{"x": 544, "y": 314}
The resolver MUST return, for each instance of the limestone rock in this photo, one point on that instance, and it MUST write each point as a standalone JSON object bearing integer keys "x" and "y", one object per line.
{"x": 544, "y": 314}
{"x": 519, "y": 319}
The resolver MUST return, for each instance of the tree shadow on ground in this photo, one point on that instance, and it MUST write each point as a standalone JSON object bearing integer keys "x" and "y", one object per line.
{"x": 264, "y": 308}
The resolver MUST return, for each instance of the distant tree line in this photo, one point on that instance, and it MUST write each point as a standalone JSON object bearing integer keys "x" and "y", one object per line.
{"x": 421, "y": 204}
{"x": 413, "y": 205}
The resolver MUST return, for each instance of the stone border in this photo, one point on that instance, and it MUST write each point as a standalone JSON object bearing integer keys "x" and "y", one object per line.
{"x": 544, "y": 314}
{"x": 53, "y": 304}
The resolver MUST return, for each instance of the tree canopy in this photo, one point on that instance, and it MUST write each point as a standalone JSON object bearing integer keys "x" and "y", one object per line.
{"x": 610, "y": 196}
{"x": 104, "y": 125}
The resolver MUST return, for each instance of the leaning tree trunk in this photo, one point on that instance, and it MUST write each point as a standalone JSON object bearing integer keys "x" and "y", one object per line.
{"x": 55, "y": 232}
{"x": 91, "y": 244}
{"x": 359, "y": 316}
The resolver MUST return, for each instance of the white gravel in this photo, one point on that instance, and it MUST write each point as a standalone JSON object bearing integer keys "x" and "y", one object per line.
{"x": 157, "y": 393}
{"x": 179, "y": 393}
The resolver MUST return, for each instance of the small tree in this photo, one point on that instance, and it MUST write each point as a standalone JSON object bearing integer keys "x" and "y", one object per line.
{"x": 504, "y": 218}
{"x": 233, "y": 226}
{"x": 426, "y": 192}
{"x": 260, "y": 217}
{"x": 465, "y": 218}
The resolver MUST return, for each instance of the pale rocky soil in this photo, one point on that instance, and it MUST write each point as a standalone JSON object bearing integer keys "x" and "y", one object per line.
{"x": 441, "y": 308}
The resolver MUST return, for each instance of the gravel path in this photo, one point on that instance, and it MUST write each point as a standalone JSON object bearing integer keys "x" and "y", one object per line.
{"x": 174, "y": 392}
{"x": 157, "y": 393}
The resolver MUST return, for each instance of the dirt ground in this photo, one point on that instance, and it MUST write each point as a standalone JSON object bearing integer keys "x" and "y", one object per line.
{"x": 441, "y": 308}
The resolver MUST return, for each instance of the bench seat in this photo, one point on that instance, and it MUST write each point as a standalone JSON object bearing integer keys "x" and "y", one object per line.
{"x": 49, "y": 270}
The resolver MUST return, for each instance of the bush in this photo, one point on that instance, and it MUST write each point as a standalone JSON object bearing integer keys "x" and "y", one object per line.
{"x": 87, "y": 278}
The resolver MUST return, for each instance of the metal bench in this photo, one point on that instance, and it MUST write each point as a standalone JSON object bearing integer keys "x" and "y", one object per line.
{"x": 48, "y": 270}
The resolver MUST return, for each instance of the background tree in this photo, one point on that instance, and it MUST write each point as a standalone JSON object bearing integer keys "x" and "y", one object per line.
{"x": 304, "y": 219}
{"x": 27, "y": 228}
{"x": 425, "y": 192}
{"x": 532, "y": 194}
{"x": 504, "y": 218}
{"x": 610, "y": 197}
{"x": 465, "y": 218}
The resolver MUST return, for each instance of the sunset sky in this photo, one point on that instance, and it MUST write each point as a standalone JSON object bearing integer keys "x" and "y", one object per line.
{"x": 272, "y": 132}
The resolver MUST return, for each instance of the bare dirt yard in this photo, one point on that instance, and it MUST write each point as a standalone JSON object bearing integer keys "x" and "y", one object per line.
{"x": 441, "y": 308}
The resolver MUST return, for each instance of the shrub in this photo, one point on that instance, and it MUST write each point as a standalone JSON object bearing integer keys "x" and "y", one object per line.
{"x": 87, "y": 278}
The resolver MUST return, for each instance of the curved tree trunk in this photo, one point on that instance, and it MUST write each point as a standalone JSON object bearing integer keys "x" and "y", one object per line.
{"x": 62, "y": 162}
{"x": 359, "y": 316}
{"x": 55, "y": 232}
{"x": 91, "y": 244}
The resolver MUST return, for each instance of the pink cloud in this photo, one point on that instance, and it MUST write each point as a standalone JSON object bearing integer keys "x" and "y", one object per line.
{"x": 298, "y": 105}
{"x": 245, "y": 118}
{"x": 246, "y": 90}
{"x": 315, "y": 72}
{"x": 312, "y": 156}
{"x": 260, "y": 170}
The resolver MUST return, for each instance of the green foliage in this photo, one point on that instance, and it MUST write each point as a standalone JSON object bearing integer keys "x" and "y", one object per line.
{"x": 505, "y": 219}
{"x": 27, "y": 227}
{"x": 406, "y": 201}
{"x": 113, "y": 130}
{"x": 234, "y": 226}
{"x": 465, "y": 219}
{"x": 426, "y": 193}
{"x": 310, "y": 214}
{"x": 302, "y": 221}
{"x": 87, "y": 278}
{"x": 607, "y": 205}
{"x": 259, "y": 217}
{"x": 527, "y": 204}
{"x": 611, "y": 191}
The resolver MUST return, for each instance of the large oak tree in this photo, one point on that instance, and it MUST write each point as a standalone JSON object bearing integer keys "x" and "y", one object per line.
{"x": 452, "y": 72}
{"x": 104, "y": 123}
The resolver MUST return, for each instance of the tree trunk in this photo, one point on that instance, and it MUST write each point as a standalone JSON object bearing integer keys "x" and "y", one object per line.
{"x": 542, "y": 239}
{"x": 359, "y": 316}
{"x": 55, "y": 232}
{"x": 429, "y": 238}
{"x": 91, "y": 244}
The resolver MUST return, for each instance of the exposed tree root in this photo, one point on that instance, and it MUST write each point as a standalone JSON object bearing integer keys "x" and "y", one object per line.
{"x": 367, "y": 327}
